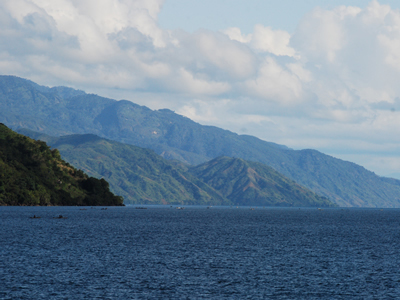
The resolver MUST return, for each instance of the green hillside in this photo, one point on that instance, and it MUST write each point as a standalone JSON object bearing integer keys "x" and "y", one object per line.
{"x": 32, "y": 174}
{"x": 61, "y": 111}
{"x": 144, "y": 177}
{"x": 139, "y": 175}
{"x": 250, "y": 183}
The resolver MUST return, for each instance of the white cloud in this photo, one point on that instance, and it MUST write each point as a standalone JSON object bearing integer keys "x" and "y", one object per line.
{"x": 264, "y": 39}
{"x": 352, "y": 55}
{"x": 275, "y": 83}
{"x": 215, "y": 55}
{"x": 321, "y": 34}
{"x": 274, "y": 41}
{"x": 302, "y": 73}
{"x": 99, "y": 18}
{"x": 235, "y": 34}
{"x": 335, "y": 80}
{"x": 184, "y": 81}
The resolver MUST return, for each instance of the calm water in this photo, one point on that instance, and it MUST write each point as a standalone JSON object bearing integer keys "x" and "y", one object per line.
{"x": 199, "y": 253}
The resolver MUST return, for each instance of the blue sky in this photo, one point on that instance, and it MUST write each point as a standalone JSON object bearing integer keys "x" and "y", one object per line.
{"x": 192, "y": 15}
{"x": 306, "y": 74}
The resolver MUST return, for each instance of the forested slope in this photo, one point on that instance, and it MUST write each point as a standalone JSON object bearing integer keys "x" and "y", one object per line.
{"x": 33, "y": 174}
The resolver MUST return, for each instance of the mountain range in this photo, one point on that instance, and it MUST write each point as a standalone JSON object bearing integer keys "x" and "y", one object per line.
{"x": 143, "y": 177}
{"x": 60, "y": 111}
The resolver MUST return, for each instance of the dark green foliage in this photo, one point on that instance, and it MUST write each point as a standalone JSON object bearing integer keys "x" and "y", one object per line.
{"x": 98, "y": 191}
{"x": 62, "y": 111}
{"x": 33, "y": 174}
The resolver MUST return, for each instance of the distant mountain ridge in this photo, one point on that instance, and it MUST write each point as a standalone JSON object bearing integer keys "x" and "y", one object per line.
{"x": 139, "y": 175}
{"x": 59, "y": 111}
{"x": 143, "y": 177}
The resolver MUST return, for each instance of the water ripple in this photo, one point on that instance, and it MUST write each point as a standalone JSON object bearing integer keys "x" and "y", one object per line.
{"x": 198, "y": 253}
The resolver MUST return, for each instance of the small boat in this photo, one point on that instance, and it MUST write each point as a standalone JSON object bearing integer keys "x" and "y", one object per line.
{"x": 35, "y": 217}
{"x": 140, "y": 207}
{"x": 59, "y": 217}
{"x": 179, "y": 207}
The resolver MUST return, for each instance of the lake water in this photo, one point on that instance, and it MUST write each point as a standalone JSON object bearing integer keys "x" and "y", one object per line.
{"x": 199, "y": 253}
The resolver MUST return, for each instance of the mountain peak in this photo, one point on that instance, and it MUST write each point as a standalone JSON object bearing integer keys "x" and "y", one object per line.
{"x": 24, "y": 105}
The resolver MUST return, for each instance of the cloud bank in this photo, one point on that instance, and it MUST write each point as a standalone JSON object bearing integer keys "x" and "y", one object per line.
{"x": 332, "y": 85}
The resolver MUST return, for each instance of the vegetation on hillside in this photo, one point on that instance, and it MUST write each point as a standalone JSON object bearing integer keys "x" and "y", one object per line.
{"x": 33, "y": 174}
{"x": 249, "y": 183}
{"x": 61, "y": 111}
{"x": 139, "y": 175}
{"x": 144, "y": 177}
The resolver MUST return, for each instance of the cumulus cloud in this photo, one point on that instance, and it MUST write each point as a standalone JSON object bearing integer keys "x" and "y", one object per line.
{"x": 264, "y": 39}
{"x": 274, "y": 83}
{"x": 352, "y": 47}
{"x": 224, "y": 57}
{"x": 333, "y": 81}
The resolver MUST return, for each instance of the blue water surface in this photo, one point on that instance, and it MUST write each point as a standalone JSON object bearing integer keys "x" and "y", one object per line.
{"x": 199, "y": 253}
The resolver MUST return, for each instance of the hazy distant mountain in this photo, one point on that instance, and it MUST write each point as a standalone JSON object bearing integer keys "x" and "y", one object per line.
{"x": 61, "y": 111}
{"x": 141, "y": 176}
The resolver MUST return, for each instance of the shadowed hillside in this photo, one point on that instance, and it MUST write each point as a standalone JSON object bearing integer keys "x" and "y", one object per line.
{"x": 139, "y": 175}
{"x": 32, "y": 174}
{"x": 144, "y": 177}
{"x": 62, "y": 111}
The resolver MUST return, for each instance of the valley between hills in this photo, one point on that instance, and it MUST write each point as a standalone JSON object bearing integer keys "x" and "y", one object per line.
{"x": 159, "y": 157}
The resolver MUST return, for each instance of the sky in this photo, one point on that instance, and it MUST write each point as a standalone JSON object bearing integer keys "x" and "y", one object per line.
{"x": 307, "y": 74}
